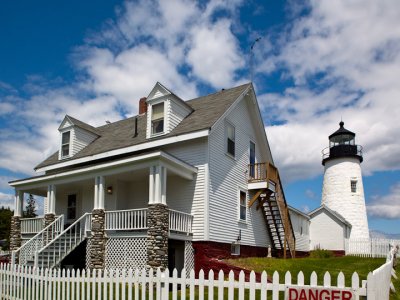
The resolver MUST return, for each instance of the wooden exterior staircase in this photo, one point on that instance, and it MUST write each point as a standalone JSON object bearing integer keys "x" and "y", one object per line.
{"x": 264, "y": 180}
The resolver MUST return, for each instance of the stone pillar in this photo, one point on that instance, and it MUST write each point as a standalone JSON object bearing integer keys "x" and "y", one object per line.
{"x": 48, "y": 219}
{"x": 15, "y": 233}
{"x": 157, "y": 236}
{"x": 98, "y": 240}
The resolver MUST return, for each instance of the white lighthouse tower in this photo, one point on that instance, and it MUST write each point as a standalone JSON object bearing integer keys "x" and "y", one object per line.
{"x": 342, "y": 189}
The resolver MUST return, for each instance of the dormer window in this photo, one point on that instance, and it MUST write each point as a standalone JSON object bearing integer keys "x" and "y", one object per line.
{"x": 157, "y": 118}
{"x": 65, "y": 142}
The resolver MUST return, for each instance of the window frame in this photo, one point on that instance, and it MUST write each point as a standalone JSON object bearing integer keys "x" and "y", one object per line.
{"x": 252, "y": 164}
{"x": 160, "y": 119}
{"x": 72, "y": 207}
{"x": 227, "y": 139}
{"x": 353, "y": 186}
{"x": 65, "y": 144}
{"x": 240, "y": 206}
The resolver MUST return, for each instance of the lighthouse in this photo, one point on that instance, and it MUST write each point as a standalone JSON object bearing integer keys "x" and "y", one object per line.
{"x": 342, "y": 189}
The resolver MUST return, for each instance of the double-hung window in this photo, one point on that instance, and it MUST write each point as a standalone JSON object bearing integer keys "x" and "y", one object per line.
{"x": 230, "y": 139}
{"x": 242, "y": 206}
{"x": 157, "y": 118}
{"x": 65, "y": 143}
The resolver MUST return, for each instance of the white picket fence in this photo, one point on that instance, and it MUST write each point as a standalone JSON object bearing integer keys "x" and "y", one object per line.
{"x": 21, "y": 282}
{"x": 369, "y": 247}
{"x": 26, "y": 283}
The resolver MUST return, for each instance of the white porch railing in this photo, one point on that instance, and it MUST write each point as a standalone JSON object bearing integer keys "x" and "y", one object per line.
{"x": 27, "y": 251}
{"x": 52, "y": 253}
{"x": 32, "y": 225}
{"x": 180, "y": 221}
{"x": 132, "y": 219}
{"x": 369, "y": 247}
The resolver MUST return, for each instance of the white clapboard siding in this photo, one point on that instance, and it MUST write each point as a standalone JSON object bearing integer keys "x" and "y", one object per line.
{"x": 81, "y": 138}
{"x": 21, "y": 282}
{"x": 301, "y": 228}
{"x": 185, "y": 195}
{"x": 228, "y": 175}
{"x": 322, "y": 223}
{"x": 177, "y": 111}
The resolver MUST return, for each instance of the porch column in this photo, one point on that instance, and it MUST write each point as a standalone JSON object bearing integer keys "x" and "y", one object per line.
{"x": 50, "y": 216}
{"x": 157, "y": 219}
{"x": 15, "y": 232}
{"x": 98, "y": 238}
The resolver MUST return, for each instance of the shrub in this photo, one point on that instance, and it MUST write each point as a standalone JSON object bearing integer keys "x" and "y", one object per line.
{"x": 321, "y": 253}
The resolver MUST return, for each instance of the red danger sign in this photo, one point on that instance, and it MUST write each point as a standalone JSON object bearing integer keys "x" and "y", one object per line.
{"x": 317, "y": 293}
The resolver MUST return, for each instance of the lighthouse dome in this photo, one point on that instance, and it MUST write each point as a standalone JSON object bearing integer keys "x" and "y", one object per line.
{"x": 342, "y": 144}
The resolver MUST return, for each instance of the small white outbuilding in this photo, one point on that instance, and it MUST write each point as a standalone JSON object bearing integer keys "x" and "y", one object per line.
{"x": 328, "y": 229}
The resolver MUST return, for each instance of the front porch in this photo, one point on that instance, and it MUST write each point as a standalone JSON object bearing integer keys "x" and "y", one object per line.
{"x": 126, "y": 221}
{"x": 141, "y": 202}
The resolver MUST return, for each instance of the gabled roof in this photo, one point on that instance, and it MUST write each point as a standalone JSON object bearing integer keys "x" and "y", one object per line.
{"x": 206, "y": 112}
{"x": 80, "y": 124}
{"x": 299, "y": 212}
{"x": 332, "y": 212}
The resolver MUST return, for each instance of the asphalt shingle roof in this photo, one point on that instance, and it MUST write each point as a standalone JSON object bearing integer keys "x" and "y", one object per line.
{"x": 206, "y": 111}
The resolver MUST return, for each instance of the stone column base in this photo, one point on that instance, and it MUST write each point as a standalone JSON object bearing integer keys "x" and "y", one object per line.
{"x": 98, "y": 240}
{"x": 157, "y": 236}
{"x": 15, "y": 235}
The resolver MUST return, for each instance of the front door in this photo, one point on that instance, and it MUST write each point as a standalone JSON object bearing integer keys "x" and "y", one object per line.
{"x": 71, "y": 208}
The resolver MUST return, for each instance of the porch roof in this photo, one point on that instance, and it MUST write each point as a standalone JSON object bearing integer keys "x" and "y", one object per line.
{"x": 136, "y": 162}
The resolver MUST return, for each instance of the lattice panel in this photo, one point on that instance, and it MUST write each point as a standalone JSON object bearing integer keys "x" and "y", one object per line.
{"x": 28, "y": 252}
{"x": 189, "y": 258}
{"x": 88, "y": 243}
{"x": 126, "y": 252}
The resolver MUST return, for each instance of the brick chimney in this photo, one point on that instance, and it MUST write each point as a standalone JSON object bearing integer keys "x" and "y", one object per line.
{"x": 142, "y": 106}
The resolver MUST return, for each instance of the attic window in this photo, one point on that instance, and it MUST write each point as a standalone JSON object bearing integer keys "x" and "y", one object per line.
{"x": 157, "y": 118}
{"x": 65, "y": 142}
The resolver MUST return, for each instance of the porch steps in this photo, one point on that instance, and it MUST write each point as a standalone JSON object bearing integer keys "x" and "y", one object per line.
{"x": 51, "y": 253}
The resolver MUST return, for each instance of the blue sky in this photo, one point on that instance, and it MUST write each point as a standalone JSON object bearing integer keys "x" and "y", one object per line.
{"x": 316, "y": 62}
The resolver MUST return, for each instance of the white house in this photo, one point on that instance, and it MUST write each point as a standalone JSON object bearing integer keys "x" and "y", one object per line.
{"x": 182, "y": 182}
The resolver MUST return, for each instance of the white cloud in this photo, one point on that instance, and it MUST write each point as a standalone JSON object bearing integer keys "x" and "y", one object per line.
{"x": 149, "y": 41}
{"x": 214, "y": 54}
{"x": 4, "y": 180}
{"x": 7, "y": 200}
{"x": 344, "y": 60}
{"x": 387, "y": 206}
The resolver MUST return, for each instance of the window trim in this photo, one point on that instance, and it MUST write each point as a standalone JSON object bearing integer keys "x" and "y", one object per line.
{"x": 245, "y": 220}
{"x": 353, "y": 186}
{"x": 252, "y": 168}
{"x": 227, "y": 124}
{"x": 70, "y": 207}
{"x": 163, "y": 118}
{"x": 64, "y": 144}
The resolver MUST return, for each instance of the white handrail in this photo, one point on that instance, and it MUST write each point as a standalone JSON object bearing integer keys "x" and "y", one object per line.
{"x": 130, "y": 219}
{"x": 52, "y": 253}
{"x": 32, "y": 225}
{"x": 45, "y": 236}
{"x": 180, "y": 221}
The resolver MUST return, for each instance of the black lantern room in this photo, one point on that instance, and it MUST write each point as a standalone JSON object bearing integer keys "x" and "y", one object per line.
{"x": 342, "y": 144}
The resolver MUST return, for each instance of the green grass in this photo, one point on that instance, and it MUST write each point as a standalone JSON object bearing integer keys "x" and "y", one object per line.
{"x": 347, "y": 264}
